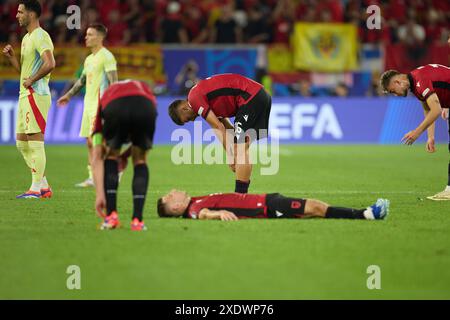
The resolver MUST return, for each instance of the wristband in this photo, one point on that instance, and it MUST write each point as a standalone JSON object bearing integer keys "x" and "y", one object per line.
{"x": 97, "y": 139}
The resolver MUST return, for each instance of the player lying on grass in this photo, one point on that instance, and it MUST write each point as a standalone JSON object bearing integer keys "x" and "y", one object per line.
{"x": 127, "y": 112}
{"x": 220, "y": 97}
{"x": 234, "y": 206}
{"x": 431, "y": 85}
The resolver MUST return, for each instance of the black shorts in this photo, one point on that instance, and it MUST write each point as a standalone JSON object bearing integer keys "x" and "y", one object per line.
{"x": 279, "y": 206}
{"x": 129, "y": 119}
{"x": 252, "y": 119}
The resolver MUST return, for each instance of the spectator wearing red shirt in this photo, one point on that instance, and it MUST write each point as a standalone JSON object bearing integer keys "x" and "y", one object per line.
{"x": 118, "y": 33}
{"x": 196, "y": 24}
{"x": 443, "y": 6}
{"x": 283, "y": 21}
{"x": 301, "y": 10}
{"x": 396, "y": 11}
{"x": 105, "y": 7}
{"x": 335, "y": 9}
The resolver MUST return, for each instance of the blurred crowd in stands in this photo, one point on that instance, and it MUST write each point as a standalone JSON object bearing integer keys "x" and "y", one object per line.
{"x": 238, "y": 21}
{"x": 415, "y": 24}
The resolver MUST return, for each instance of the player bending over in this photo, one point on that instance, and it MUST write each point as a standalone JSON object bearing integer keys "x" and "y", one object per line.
{"x": 220, "y": 97}
{"x": 126, "y": 113}
{"x": 36, "y": 63}
{"x": 431, "y": 85}
{"x": 234, "y": 206}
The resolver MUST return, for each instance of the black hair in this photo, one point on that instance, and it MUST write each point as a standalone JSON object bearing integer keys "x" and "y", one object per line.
{"x": 173, "y": 113}
{"x": 32, "y": 5}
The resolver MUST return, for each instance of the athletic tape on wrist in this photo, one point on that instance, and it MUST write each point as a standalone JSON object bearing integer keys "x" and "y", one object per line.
{"x": 97, "y": 139}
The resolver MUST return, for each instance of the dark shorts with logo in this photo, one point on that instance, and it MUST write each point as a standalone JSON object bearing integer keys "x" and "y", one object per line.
{"x": 129, "y": 119}
{"x": 252, "y": 119}
{"x": 279, "y": 206}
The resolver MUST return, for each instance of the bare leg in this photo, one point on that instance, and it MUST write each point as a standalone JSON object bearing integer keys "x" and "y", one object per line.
{"x": 315, "y": 208}
{"x": 35, "y": 137}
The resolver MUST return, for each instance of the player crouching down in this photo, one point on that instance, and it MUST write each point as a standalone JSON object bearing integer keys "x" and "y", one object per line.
{"x": 234, "y": 206}
{"x": 126, "y": 113}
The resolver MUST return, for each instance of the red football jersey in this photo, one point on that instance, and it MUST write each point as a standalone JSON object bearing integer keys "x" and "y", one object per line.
{"x": 429, "y": 79}
{"x": 223, "y": 94}
{"x": 126, "y": 88}
{"x": 242, "y": 205}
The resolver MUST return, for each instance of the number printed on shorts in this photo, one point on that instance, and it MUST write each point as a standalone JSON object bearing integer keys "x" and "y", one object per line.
{"x": 237, "y": 127}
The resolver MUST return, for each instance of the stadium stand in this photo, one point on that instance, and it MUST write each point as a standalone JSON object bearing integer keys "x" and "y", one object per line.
{"x": 414, "y": 31}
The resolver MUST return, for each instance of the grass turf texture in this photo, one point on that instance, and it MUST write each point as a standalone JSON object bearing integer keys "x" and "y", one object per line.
{"x": 251, "y": 259}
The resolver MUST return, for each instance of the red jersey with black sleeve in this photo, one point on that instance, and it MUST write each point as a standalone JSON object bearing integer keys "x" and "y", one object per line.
{"x": 121, "y": 89}
{"x": 224, "y": 94}
{"x": 242, "y": 205}
{"x": 429, "y": 79}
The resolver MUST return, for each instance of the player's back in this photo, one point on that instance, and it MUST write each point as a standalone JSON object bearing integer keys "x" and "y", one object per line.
{"x": 229, "y": 80}
{"x": 224, "y": 93}
{"x": 127, "y": 88}
{"x": 429, "y": 79}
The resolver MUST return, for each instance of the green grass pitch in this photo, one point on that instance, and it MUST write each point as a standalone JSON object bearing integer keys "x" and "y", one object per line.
{"x": 250, "y": 259}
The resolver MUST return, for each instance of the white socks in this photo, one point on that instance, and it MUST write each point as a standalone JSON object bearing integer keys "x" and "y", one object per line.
{"x": 44, "y": 183}
{"x": 35, "y": 187}
{"x": 368, "y": 213}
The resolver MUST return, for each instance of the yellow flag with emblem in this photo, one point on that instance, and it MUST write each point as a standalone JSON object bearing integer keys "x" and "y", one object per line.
{"x": 327, "y": 47}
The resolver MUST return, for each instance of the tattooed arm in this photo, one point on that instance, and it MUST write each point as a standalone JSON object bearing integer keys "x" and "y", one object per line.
{"x": 64, "y": 100}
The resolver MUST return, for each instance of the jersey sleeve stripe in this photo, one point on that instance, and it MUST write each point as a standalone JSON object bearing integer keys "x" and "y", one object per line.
{"x": 228, "y": 92}
{"x": 441, "y": 85}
